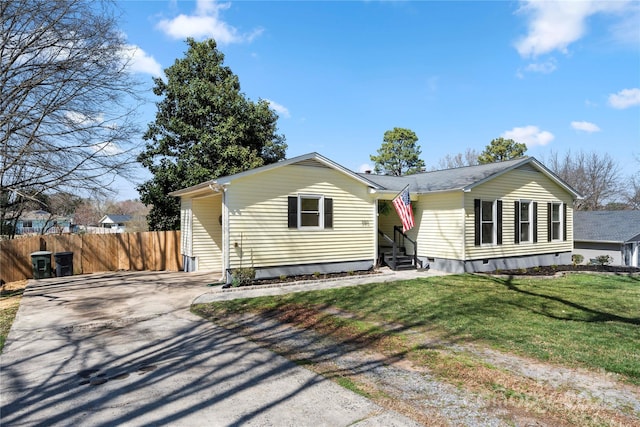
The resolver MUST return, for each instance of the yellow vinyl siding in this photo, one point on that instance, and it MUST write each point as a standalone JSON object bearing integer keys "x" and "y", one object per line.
{"x": 186, "y": 218}
{"x": 258, "y": 231}
{"x": 440, "y": 221}
{"x": 387, "y": 221}
{"x": 207, "y": 232}
{"x": 514, "y": 186}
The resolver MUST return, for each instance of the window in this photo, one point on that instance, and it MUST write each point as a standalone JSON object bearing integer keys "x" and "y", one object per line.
{"x": 488, "y": 222}
{"x": 526, "y": 221}
{"x": 556, "y": 221}
{"x": 311, "y": 211}
{"x": 310, "y": 214}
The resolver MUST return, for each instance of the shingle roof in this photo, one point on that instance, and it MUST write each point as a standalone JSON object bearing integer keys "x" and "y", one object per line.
{"x": 606, "y": 226}
{"x": 463, "y": 178}
{"x": 116, "y": 219}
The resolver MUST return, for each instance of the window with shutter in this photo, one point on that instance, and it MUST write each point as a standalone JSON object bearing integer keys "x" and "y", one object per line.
{"x": 488, "y": 222}
{"x": 310, "y": 211}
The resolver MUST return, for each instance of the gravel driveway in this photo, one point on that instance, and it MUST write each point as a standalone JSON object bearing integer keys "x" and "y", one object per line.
{"x": 123, "y": 349}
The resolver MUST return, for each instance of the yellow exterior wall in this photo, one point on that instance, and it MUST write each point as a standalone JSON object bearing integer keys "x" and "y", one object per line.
{"x": 439, "y": 219}
{"x": 519, "y": 184}
{"x": 387, "y": 221}
{"x": 207, "y": 232}
{"x": 258, "y": 232}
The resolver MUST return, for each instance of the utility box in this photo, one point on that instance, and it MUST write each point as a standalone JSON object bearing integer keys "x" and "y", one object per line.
{"x": 41, "y": 262}
{"x": 64, "y": 263}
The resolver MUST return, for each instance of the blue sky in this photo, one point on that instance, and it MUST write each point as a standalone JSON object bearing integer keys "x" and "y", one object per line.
{"x": 557, "y": 76}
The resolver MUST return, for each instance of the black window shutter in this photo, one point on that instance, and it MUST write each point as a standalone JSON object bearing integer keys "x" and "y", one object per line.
{"x": 516, "y": 222}
{"x": 535, "y": 222}
{"x": 564, "y": 222}
{"x": 499, "y": 220}
{"x": 328, "y": 212}
{"x": 476, "y": 210}
{"x": 549, "y": 231}
{"x": 293, "y": 212}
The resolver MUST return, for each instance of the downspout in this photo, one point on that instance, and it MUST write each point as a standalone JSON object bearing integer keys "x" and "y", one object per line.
{"x": 375, "y": 231}
{"x": 464, "y": 227}
{"x": 226, "y": 257}
{"x": 225, "y": 228}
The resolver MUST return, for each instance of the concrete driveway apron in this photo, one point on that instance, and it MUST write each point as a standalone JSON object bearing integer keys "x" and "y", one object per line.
{"x": 123, "y": 349}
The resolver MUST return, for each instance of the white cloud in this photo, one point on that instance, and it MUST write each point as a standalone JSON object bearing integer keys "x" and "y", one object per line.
{"x": 78, "y": 118}
{"x": 365, "y": 167}
{"x": 554, "y": 25}
{"x": 107, "y": 148}
{"x": 205, "y": 22}
{"x": 625, "y": 98}
{"x": 279, "y": 108}
{"x": 529, "y": 135}
{"x": 141, "y": 62}
{"x": 585, "y": 126}
{"x": 546, "y": 67}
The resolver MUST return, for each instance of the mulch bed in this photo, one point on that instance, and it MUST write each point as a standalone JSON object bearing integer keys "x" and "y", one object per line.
{"x": 551, "y": 270}
{"x": 309, "y": 277}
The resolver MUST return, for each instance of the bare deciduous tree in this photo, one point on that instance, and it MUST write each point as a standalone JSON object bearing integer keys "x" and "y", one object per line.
{"x": 468, "y": 158}
{"x": 596, "y": 176}
{"x": 66, "y": 100}
{"x": 632, "y": 191}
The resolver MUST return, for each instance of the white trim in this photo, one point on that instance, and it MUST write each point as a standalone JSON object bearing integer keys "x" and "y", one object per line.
{"x": 226, "y": 260}
{"x": 529, "y": 203}
{"x": 494, "y": 221}
{"x": 320, "y": 199}
{"x": 560, "y": 221}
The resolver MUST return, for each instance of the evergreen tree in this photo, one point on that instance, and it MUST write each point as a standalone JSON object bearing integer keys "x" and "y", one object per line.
{"x": 399, "y": 153}
{"x": 204, "y": 128}
{"x": 501, "y": 149}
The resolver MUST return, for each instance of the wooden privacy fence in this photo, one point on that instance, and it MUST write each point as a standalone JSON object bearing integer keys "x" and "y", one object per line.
{"x": 152, "y": 250}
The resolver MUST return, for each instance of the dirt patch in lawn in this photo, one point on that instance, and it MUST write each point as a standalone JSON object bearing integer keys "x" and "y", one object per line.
{"x": 425, "y": 376}
{"x": 11, "y": 292}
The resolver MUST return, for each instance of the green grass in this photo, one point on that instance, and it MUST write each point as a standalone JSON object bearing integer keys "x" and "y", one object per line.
{"x": 8, "y": 310}
{"x": 583, "y": 320}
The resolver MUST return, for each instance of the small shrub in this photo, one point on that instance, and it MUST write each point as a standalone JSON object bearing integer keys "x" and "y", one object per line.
{"x": 283, "y": 277}
{"x": 603, "y": 260}
{"x": 554, "y": 266}
{"x": 316, "y": 274}
{"x": 576, "y": 259}
{"x": 243, "y": 276}
{"x": 523, "y": 270}
{"x": 537, "y": 269}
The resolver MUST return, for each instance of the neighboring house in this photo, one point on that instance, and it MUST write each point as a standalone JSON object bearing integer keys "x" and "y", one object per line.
{"x": 309, "y": 214}
{"x": 614, "y": 233}
{"x": 42, "y": 222}
{"x": 115, "y": 223}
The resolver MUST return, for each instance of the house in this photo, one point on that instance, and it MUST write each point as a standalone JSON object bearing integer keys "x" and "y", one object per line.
{"x": 114, "y": 223}
{"x": 309, "y": 214}
{"x": 43, "y": 222}
{"x": 613, "y": 233}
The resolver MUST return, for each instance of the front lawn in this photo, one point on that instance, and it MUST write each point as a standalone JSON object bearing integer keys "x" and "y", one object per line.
{"x": 580, "y": 320}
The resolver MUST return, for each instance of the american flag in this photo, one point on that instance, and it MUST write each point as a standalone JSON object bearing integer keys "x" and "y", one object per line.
{"x": 402, "y": 203}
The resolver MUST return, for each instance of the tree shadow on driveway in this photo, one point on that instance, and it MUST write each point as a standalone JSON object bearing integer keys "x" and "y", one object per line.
{"x": 158, "y": 369}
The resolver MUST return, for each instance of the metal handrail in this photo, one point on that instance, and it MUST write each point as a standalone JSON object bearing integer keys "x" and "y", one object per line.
{"x": 394, "y": 245}
{"x": 398, "y": 229}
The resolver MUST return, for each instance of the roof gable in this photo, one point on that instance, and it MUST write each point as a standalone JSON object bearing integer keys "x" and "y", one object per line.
{"x": 464, "y": 178}
{"x": 115, "y": 219}
{"x": 309, "y": 160}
